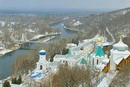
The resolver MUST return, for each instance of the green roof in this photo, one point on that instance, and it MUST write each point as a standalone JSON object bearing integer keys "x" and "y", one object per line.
{"x": 99, "y": 51}
{"x": 83, "y": 61}
{"x": 69, "y": 52}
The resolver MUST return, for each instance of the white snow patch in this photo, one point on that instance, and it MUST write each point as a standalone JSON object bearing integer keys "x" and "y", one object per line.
{"x": 5, "y": 51}
{"x": 77, "y": 23}
{"x": 107, "y": 80}
{"x": 2, "y": 23}
{"x": 37, "y": 36}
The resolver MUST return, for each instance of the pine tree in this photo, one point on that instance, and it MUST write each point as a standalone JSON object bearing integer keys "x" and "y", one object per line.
{"x": 19, "y": 80}
{"x": 6, "y": 84}
{"x": 14, "y": 80}
{"x": 64, "y": 51}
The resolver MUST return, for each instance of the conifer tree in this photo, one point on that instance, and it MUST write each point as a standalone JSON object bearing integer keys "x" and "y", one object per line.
{"x": 6, "y": 84}
{"x": 19, "y": 80}
{"x": 14, "y": 80}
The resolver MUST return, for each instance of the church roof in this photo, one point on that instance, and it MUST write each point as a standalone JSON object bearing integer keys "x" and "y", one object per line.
{"x": 67, "y": 57}
{"x": 118, "y": 60}
{"x": 42, "y": 52}
{"x": 99, "y": 51}
{"x": 83, "y": 61}
{"x": 120, "y": 46}
{"x": 69, "y": 52}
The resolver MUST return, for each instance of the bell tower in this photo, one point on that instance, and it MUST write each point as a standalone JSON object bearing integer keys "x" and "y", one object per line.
{"x": 42, "y": 63}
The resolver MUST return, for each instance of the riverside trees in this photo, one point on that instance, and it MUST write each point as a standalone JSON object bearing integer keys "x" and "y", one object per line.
{"x": 25, "y": 62}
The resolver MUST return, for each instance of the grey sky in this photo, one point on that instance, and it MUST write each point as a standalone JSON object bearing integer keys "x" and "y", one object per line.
{"x": 63, "y": 4}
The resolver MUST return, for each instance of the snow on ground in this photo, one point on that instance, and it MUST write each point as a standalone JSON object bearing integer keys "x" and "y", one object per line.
{"x": 12, "y": 85}
{"x": 77, "y": 23}
{"x": 12, "y": 23}
{"x": 128, "y": 85}
{"x": 41, "y": 35}
{"x": 38, "y": 36}
{"x": 2, "y": 23}
{"x": 65, "y": 18}
{"x": 49, "y": 38}
{"x": 108, "y": 79}
{"x": 5, "y": 51}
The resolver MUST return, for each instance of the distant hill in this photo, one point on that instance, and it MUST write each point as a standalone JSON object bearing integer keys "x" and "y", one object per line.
{"x": 116, "y": 21}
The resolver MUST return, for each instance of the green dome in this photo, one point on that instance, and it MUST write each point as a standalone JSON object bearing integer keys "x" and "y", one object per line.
{"x": 83, "y": 61}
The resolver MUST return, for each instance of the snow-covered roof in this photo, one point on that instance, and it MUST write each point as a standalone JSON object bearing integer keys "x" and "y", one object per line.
{"x": 120, "y": 52}
{"x": 71, "y": 45}
{"x": 78, "y": 48}
{"x": 105, "y": 61}
{"x": 120, "y": 46}
{"x": 100, "y": 66}
{"x": 53, "y": 64}
{"x": 66, "y": 56}
{"x": 118, "y": 60}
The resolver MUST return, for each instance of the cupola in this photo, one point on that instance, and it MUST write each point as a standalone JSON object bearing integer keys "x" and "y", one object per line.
{"x": 120, "y": 46}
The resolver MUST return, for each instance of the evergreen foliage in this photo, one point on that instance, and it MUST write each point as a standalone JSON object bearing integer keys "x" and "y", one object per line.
{"x": 14, "y": 80}
{"x": 75, "y": 41}
{"x": 17, "y": 81}
{"x": 51, "y": 60}
{"x": 6, "y": 84}
{"x": 64, "y": 51}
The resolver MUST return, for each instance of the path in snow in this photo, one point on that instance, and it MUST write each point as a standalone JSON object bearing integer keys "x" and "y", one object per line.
{"x": 111, "y": 36}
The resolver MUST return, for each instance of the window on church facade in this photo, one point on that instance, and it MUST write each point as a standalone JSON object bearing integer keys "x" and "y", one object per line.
{"x": 40, "y": 67}
{"x": 97, "y": 61}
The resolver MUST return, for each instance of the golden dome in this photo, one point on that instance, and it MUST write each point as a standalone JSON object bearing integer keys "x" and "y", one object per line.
{"x": 99, "y": 40}
{"x": 83, "y": 54}
{"x": 89, "y": 50}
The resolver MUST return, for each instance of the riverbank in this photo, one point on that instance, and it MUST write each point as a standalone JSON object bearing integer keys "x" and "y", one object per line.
{"x": 72, "y": 29}
{"x": 46, "y": 39}
{"x": 11, "y": 48}
{"x": 6, "y": 61}
{"x": 44, "y": 35}
{"x": 39, "y": 38}
{"x": 4, "y": 51}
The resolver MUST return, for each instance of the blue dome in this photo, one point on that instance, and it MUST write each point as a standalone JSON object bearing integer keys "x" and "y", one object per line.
{"x": 42, "y": 52}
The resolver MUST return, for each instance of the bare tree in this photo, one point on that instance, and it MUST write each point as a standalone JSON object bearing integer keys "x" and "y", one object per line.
{"x": 68, "y": 76}
{"x": 122, "y": 78}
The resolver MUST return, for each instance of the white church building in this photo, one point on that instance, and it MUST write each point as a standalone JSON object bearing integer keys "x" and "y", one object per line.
{"x": 88, "y": 56}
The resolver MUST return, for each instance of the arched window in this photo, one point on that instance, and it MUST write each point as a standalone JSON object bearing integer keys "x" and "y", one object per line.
{"x": 40, "y": 67}
{"x": 66, "y": 62}
{"x": 97, "y": 61}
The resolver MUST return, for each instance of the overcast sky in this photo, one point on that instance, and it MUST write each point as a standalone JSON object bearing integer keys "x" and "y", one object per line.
{"x": 63, "y": 4}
